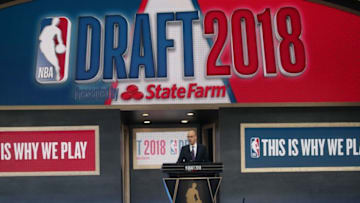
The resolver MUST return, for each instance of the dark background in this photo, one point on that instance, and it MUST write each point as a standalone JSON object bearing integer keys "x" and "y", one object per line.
{"x": 146, "y": 185}
{"x": 104, "y": 188}
{"x": 301, "y": 187}
{"x": 353, "y": 4}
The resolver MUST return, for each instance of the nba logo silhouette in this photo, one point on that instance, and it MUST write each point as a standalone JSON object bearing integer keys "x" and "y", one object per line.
{"x": 254, "y": 147}
{"x": 53, "y": 50}
{"x": 173, "y": 147}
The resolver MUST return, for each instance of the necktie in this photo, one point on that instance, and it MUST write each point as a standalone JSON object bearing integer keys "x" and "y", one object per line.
{"x": 192, "y": 153}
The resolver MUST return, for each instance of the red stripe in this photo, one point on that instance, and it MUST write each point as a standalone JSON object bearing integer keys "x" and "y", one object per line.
{"x": 142, "y": 6}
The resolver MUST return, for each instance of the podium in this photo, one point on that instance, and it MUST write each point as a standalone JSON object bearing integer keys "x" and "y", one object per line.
{"x": 192, "y": 182}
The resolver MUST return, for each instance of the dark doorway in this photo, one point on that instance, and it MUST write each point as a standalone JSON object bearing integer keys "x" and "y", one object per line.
{"x": 145, "y": 185}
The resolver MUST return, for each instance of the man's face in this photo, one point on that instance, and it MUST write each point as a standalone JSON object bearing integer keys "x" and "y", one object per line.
{"x": 192, "y": 138}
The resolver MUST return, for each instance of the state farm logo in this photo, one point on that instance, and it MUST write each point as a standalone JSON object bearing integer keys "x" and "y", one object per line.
{"x": 174, "y": 91}
{"x": 132, "y": 92}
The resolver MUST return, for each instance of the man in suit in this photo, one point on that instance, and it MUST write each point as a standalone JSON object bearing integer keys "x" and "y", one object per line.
{"x": 193, "y": 152}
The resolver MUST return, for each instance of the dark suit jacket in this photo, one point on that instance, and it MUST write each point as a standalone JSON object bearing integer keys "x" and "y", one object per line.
{"x": 201, "y": 154}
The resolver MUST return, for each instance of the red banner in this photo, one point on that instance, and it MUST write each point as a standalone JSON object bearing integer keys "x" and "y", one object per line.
{"x": 42, "y": 151}
{"x": 330, "y": 37}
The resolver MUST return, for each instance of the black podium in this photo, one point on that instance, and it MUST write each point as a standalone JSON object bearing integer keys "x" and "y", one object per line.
{"x": 192, "y": 182}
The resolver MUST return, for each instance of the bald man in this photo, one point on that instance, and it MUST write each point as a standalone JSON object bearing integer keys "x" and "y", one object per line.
{"x": 194, "y": 151}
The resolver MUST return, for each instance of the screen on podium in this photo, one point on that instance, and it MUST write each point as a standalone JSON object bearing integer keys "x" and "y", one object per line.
{"x": 154, "y": 146}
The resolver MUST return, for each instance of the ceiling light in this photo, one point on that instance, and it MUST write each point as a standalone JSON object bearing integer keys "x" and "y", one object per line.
{"x": 145, "y": 114}
{"x": 190, "y": 114}
{"x": 147, "y": 122}
{"x": 184, "y": 121}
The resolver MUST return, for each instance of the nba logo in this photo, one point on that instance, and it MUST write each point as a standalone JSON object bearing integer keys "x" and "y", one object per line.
{"x": 255, "y": 147}
{"x": 53, "y": 50}
{"x": 173, "y": 147}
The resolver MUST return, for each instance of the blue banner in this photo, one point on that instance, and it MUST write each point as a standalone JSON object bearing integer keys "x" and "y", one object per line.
{"x": 291, "y": 147}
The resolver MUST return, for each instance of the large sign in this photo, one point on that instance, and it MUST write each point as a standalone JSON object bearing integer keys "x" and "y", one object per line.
{"x": 49, "y": 151}
{"x": 161, "y": 52}
{"x": 154, "y": 146}
{"x": 300, "y": 147}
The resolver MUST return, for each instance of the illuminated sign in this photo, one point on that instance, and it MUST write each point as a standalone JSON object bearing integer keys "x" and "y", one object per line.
{"x": 218, "y": 52}
{"x": 154, "y": 146}
{"x": 300, "y": 147}
{"x": 49, "y": 151}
